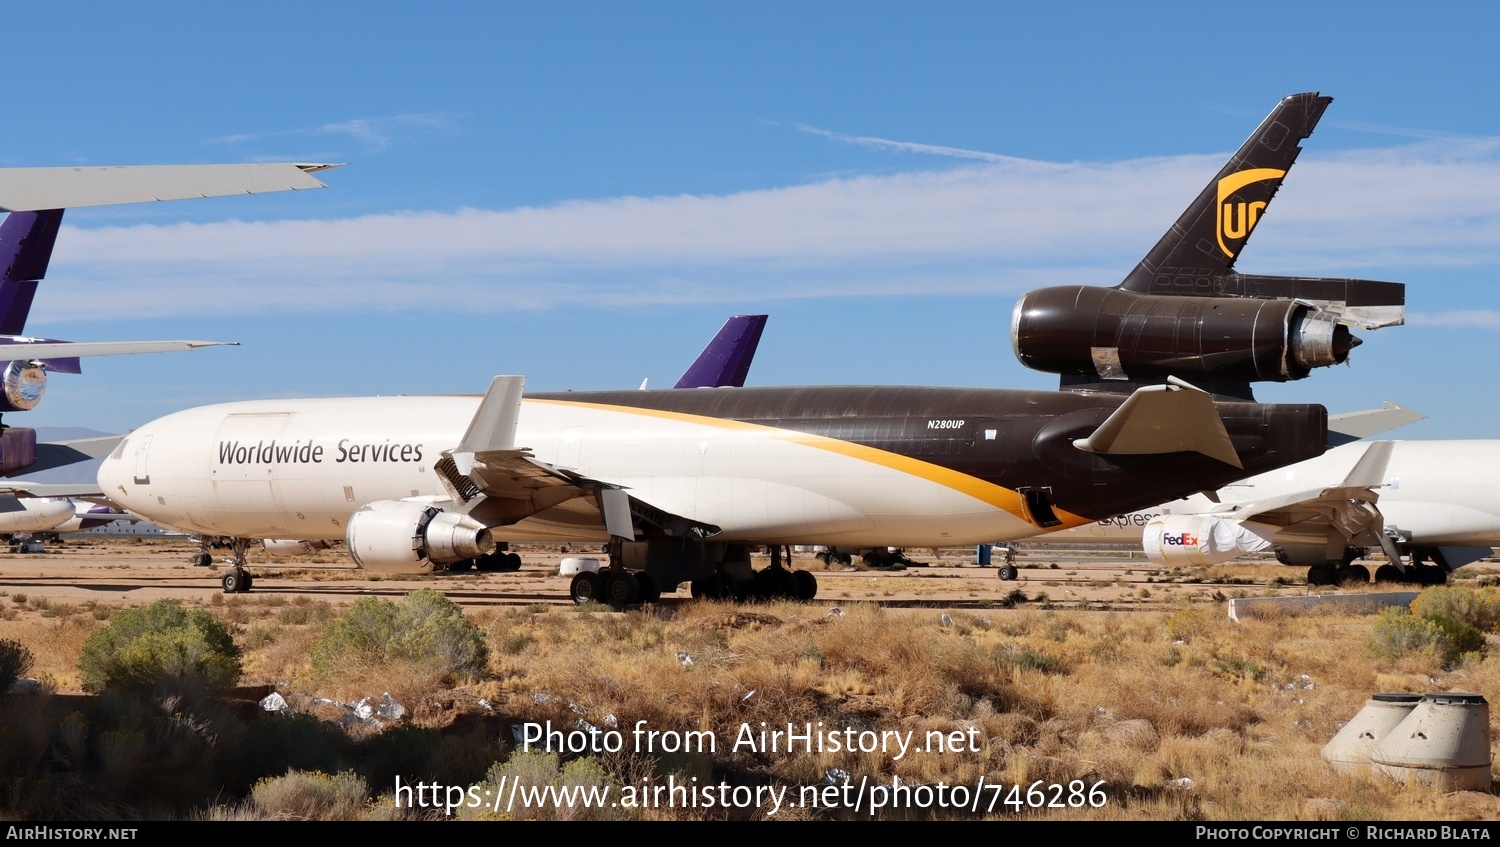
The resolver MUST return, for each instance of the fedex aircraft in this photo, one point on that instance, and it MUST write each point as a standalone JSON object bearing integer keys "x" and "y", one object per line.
{"x": 682, "y": 484}
{"x": 1408, "y": 501}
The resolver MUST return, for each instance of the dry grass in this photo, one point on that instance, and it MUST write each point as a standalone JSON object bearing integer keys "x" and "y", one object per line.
{"x": 1182, "y": 714}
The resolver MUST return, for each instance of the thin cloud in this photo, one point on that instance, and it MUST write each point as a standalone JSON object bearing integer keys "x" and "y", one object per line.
{"x": 374, "y": 133}
{"x": 911, "y": 147}
{"x": 982, "y": 228}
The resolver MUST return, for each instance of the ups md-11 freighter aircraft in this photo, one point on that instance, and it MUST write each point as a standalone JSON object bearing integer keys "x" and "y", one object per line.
{"x": 681, "y": 484}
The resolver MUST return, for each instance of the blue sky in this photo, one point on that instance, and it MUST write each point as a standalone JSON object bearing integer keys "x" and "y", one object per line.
{"x": 582, "y": 192}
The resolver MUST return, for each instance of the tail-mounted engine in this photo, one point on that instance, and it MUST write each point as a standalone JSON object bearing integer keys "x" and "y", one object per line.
{"x": 1184, "y": 311}
{"x": 1107, "y": 333}
{"x": 399, "y": 536}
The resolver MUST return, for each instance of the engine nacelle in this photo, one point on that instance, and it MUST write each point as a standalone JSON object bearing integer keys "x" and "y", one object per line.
{"x": 1197, "y": 540}
{"x": 1115, "y": 334}
{"x": 399, "y": 536}
{"x": 22, "y": 385}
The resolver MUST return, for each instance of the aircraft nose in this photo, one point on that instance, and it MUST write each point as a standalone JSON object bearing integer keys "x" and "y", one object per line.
{"x": 109, "y": 478}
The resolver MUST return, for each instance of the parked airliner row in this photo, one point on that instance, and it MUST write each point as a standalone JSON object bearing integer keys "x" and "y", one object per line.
{"x": 682, "y": 484}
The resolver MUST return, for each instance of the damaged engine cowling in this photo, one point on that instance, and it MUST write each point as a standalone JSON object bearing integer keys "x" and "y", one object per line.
{"x": 400, "y": 536}
{"x": 24, "y": 383}
{"x": 1198, "y": 540}
{"x": 1116, "y": 334}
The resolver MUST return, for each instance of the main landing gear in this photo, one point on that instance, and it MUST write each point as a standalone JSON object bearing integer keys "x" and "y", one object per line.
{"x": 237, "y": 580}
{"x": 499, "y": 560}
{"x": 776, "y": 582}
{"x": 614, "y": 585}
{"x": 1345, "y": 572}
{"x": 619, "y": 587}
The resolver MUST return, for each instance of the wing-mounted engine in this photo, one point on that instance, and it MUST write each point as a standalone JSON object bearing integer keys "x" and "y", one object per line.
{"x": 404, "y": 536}
{"x": 1198, "y": 540}
{"x": 1183, "y": 311}
{"x": 23, "y": 385}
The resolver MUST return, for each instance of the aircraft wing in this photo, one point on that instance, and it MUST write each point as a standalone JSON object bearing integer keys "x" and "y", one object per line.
{"x": 15, "y": 350}
{"x": 74, "y": 491}
{"x": 57, "y": 454}
{"x": 503, "y": 486}
{"x": 1347, "y": 509}
{"x": 33, "y": 189}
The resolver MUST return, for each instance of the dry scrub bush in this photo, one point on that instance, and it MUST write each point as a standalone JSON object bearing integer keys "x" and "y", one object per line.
{"x": 1437, "y": 640}
{"x": 310, "y": 796}
{"x": 409, "y": 648}
{"x": 535, "y": 770}
{"x": 160, "y": 644}
{"x": 15, "y": 662}
{"x": 1477, "y": 607}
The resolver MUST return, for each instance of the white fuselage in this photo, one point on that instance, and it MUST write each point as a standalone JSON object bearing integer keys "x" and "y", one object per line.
{"x": 38, "y": 514}
{"x": 1435, "y": 492}
{"x": 301, "y": 468}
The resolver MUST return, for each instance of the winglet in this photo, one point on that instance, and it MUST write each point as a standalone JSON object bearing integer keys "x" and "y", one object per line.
{"x": 494, "y": 424}
{"x": 1369, "y": 471}
{"x": 1172, "y": 418}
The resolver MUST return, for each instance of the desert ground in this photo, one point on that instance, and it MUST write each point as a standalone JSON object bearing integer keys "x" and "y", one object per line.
{"x": 1096, "y": 672}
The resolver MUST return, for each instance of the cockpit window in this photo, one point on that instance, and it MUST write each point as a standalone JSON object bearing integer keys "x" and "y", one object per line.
{"x": 119, "y": 449}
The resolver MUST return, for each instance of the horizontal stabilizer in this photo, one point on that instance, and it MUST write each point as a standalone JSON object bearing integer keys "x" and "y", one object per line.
{"x": 1352, "y": 426}
{"x": 1171, "y": 418}
{"x": 13, "y": 350}
{"x": 30, "y": 189}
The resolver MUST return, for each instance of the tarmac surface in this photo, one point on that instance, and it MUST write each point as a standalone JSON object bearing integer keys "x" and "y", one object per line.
{"x": 125, "y": 573}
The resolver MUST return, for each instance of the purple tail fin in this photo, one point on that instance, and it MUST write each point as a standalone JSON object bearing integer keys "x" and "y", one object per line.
{"x": 26, "y": 240}
{"x": 726, "y": 360}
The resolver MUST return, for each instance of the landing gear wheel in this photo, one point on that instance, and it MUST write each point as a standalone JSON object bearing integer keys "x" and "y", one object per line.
{"x": 1322, "y": 575}
{"x": 650, "y": 591}
{"x": 247, "y": 583}
{"x": 621, "y": 588}
{"x": 463, "y": 565}
{"x": 775, "y": 584}
{"x": 1389, "y": 573}
{"x": 715, "y": 587}
{"x": 512, "y": 562}
{"x": 587, "y": 587}
{"x": 203, "y": 560}
{"x": 236, "y": 582}
{"x": 807, "y": 585}
{"x": 1432, "y": 575}
{"x": 1008, "y": 572}
{"x": 1353, "y": 573}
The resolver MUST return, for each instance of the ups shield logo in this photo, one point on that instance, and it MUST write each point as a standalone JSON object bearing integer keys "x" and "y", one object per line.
{"x": 1237, "y": 219}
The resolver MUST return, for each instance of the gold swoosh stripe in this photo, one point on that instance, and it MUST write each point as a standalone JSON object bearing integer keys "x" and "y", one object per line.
{"x": 998, "y": 496}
